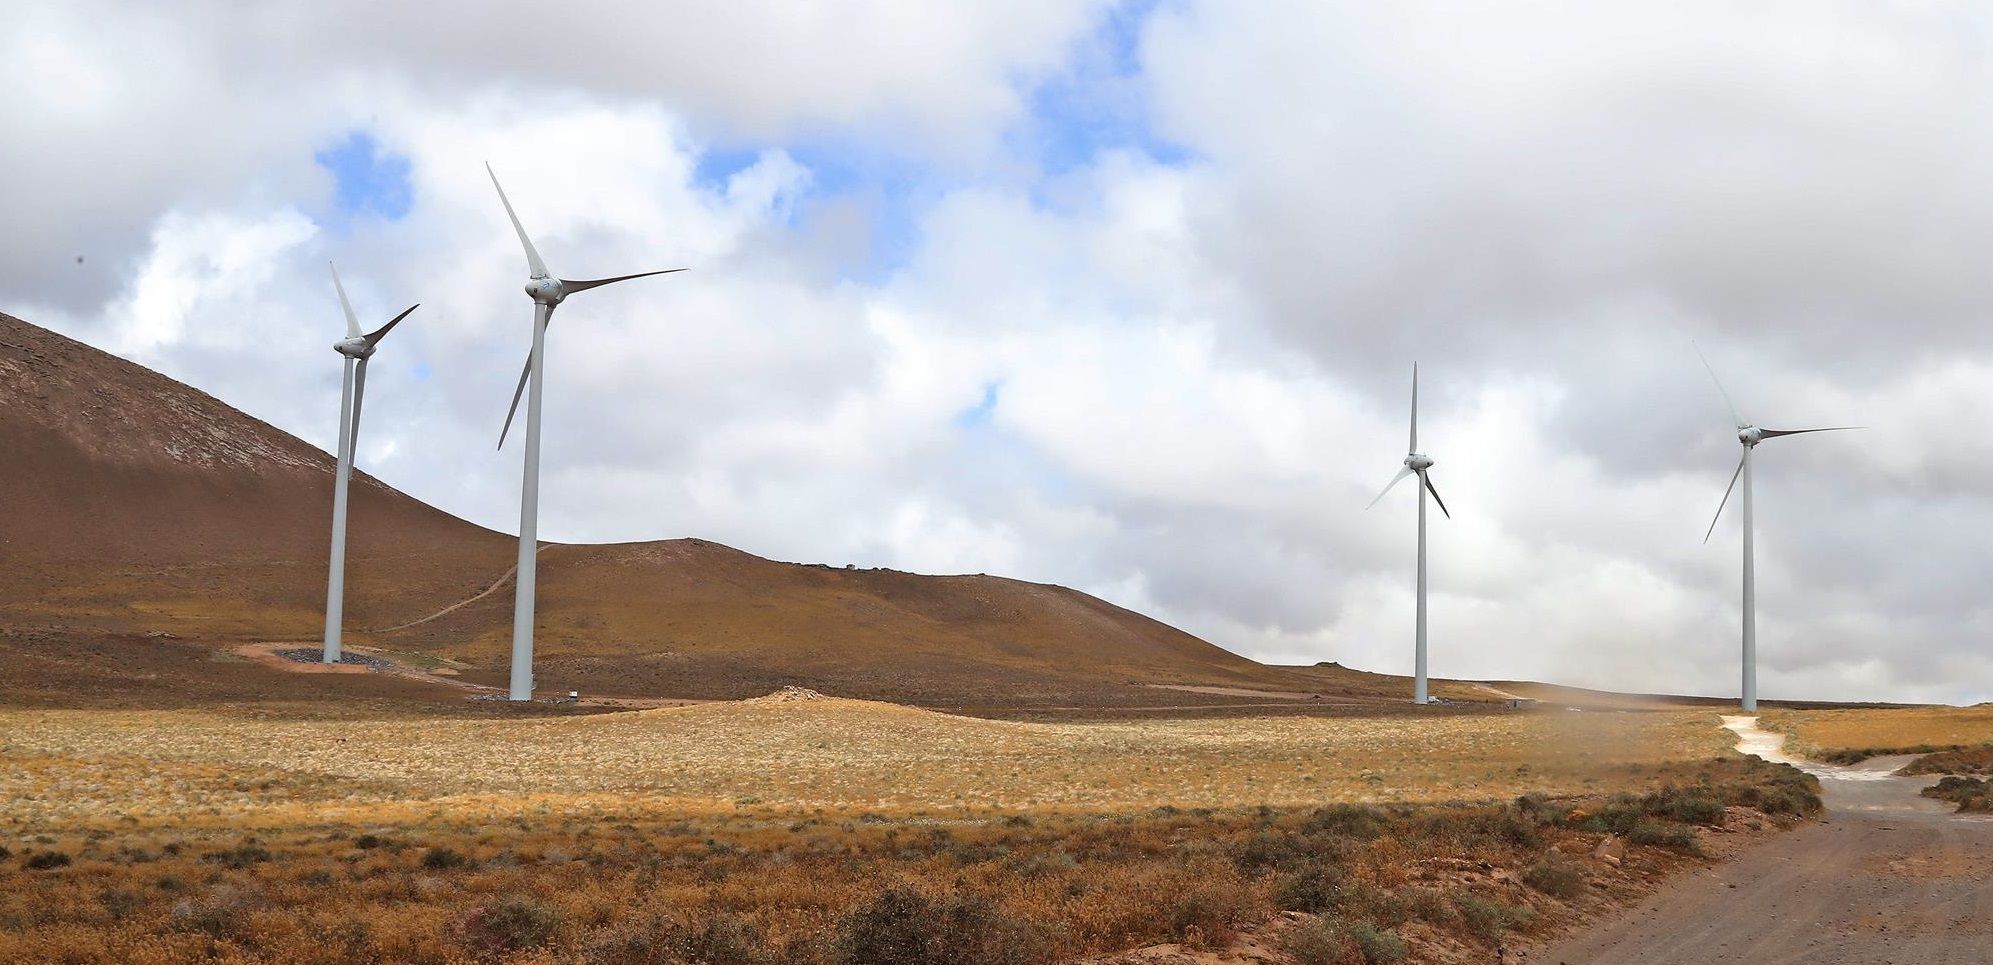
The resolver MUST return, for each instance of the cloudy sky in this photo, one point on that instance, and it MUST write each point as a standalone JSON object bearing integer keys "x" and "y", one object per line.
{"x": 1124, "y": 296}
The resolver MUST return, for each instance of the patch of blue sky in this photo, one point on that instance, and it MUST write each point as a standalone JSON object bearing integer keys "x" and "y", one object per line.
{"x": 893, "y": 190}
{"x": 1097, "y": 103}
{"x": 367, "y": 181}
{"x": 979, "y": 415}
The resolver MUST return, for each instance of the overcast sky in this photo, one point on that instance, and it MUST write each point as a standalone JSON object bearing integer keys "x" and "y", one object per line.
{"x": 1120, "y": 296}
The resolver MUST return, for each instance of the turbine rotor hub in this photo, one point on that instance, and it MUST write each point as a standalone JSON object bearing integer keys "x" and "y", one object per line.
{"x": 1418, "y": 462}
{"x": 546, "y": 291}
{"x": 1750, "y": 435}
{"x": 353, "y": 348}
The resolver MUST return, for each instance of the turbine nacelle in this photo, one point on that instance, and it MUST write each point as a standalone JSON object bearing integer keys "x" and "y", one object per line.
{"x": 1418, "y": 462}
{"x": 545, "y": 291}
{"x": 354, "y": 348}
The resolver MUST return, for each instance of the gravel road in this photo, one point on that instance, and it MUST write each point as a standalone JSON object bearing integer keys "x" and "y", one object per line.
{"x": 1886, "y": 877}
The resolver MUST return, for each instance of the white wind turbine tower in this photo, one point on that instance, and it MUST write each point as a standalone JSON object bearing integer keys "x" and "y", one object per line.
{"x": 1749, "y": 436}
{"x": 358, "y": 349}
{"x": 1417, "y": 463}
{"x": 546, "y": 291}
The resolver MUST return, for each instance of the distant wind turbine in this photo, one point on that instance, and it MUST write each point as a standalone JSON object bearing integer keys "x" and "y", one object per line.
{"x": 1417, "y": 463}
{"x": 546, "y": 291}
{"x": 1749, "y": 436}
{"x": 358, "y": 349}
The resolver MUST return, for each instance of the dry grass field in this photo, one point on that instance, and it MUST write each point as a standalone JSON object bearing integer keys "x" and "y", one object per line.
{"x": 830, "y": 830}
{"x": 204, "y": 767}
{"x": 1846, "y": 736}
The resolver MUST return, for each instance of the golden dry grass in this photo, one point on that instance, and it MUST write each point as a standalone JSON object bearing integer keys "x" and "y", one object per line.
{"x": 75, "y": 767}
{"x": 1853, "y": 734}
{"x": 768, "y": 831}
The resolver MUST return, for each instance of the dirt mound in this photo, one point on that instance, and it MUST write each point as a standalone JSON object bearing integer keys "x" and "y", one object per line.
{"x": 789, "y": 695}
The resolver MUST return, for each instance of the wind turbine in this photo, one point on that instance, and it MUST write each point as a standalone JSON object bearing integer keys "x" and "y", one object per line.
{"x": 358, "y": 349}
{"x": 1417, "y": 463}
{"x": 546, "y": 291}
{"x": 1749, "y": 436}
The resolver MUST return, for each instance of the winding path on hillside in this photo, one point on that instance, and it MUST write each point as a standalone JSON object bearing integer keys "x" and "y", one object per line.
{"x": 1885, "y": 877}
{"x": 503, "y": 579}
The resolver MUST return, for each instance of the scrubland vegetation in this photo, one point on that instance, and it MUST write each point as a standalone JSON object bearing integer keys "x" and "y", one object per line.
{"x": 1971, "y": 794}
{"x": 833, "y": 831}
{"x": 1367, "y": 882}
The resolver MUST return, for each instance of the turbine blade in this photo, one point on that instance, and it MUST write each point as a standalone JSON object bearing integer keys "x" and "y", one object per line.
{"x": 524, "y": 372}
{"x": 570, "y": 287}
{"x": 1726, "y": 499}
{"x": 1719, "y": 385}
{"x": 359, "y": 395}
{"x": 1402, "y": 473}
{"x": 352, "y": 320}
{"x": 1413, "y": 446}
{"x": 1775, "y": 433}
{"x": 533, "y": 262}
{"x": 1427, "y": 479}
{"x": 374, "y": 337}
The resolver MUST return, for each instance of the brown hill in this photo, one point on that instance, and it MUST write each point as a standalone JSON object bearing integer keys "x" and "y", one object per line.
{"x": 133, "y": 504}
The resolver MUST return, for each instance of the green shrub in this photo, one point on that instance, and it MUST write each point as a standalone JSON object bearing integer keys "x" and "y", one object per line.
{"x": 1663, "y": 834}
{"x": 1379, "y": 947}
{"x": 1488, "y": 917}
{"x": 1319, "y": 941}
{"x": 1555, "y": 877}
{"x": 1316, "y": 888}
{"x": 45, "y": 860}
{"x": 1349, "y": 820}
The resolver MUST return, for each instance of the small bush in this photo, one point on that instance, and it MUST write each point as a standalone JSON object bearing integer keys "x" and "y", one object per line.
{"x": 902, "y": 926}
{"x": 509, "y": 925}
{"x": 1663, "y": 834}
{"x": 1379, "y": 947}
{"x": 241, "y": 856}
{"x": 370, "y": 841}
{"x": 1350, "y": 820}
{"x": 1970, "y": 794}
{"x": 1209, "y": 915}
{"x": 444, "y": 859}
{"x": 45, "y": 860}
{"x": 1553, "y": 877}
{"x": 1316, "y": 888}
{"x": 1488, "y": 917}
{"x": 222, "y": 915}
{"x": 1319, "y": 941}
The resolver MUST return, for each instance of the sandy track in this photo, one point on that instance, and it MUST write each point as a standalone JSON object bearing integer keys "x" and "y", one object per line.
{"x": 1887, "y": 876}
{"x": 504, "y": 579}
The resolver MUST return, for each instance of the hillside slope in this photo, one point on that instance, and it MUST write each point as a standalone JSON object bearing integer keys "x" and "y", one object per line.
{"x": 133, "y": 504}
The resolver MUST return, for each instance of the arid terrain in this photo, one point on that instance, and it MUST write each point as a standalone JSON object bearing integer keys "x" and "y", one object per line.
{"x": 1002, "y": 771}
{"x": 801, "y": 828}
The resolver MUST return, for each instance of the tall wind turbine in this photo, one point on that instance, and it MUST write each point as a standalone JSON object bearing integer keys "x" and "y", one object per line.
{"x": 1417, "y": 463}
{"x": 546, "y": 291}
{"x": 358, "y": 349}
{"x": 1749, "y": 436}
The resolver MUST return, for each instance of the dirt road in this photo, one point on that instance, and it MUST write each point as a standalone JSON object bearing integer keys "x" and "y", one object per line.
{"x": 1887, "y": 877}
